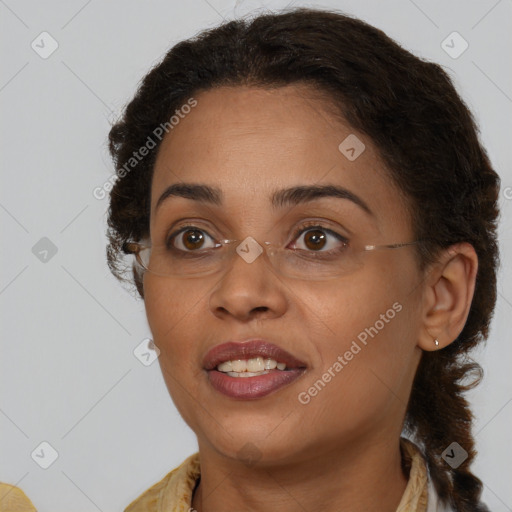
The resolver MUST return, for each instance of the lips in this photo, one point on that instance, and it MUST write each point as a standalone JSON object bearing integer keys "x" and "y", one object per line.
{"x": 249, "y": 349}
{"x": 257, "y": 386}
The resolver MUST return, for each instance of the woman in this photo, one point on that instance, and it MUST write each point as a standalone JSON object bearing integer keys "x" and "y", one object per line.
{"x": 313, "y": 224}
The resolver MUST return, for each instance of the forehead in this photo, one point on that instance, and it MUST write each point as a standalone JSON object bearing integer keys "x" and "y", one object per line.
{"x": 251, "y": 142}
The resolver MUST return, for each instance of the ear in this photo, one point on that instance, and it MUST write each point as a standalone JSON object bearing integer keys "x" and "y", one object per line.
{"x": 447, "y": 296}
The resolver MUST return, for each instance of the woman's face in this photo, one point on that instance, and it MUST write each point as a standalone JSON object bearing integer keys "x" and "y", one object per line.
{"x": 354, "y": 334}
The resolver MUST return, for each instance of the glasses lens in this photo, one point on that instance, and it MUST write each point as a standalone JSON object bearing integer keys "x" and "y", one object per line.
{"x": 293, "y": 263}
{"x": 297, "y": 264}
{"x": 315, "y": 265}
{"x": 143, "y": 257}
{"x": 161, "y": 260}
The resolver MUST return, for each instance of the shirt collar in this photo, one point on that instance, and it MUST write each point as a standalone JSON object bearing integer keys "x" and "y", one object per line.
{"x": 175, "y": 490}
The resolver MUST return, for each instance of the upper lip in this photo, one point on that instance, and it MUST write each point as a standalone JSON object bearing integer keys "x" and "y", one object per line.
{"x": 248, "y": 349}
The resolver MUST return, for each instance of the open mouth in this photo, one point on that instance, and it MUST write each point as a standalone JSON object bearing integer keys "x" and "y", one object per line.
{"x": 251, "y": 369}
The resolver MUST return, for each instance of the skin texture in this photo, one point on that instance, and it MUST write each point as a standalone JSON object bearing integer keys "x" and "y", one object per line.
{"x": 341, "y": 450}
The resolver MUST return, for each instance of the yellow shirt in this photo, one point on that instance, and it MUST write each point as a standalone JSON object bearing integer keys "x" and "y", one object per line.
{"x": 174, "y": 491}
{"x": 13, "y": 499}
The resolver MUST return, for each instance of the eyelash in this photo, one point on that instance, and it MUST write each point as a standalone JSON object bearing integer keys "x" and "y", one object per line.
{"x": 303, "y": 228}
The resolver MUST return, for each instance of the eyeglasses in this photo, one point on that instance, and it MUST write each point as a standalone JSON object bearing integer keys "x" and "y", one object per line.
{"x": 168, "y": 261}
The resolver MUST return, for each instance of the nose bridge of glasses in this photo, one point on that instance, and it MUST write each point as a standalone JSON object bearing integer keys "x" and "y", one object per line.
{"x": 250, "y": 250}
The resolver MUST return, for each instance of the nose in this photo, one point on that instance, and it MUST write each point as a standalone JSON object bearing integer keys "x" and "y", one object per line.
{"x": 249, "y": 287}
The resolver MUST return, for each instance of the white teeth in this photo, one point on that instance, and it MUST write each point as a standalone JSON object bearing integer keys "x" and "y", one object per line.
{"x": 245, "y": 374}
{"x": 255, "y": 365}
{"x": 239, "y": 365}
{"x": 225, "y": 367}
{"x": 270, "y": 364}
{"x": 249, "y": 367}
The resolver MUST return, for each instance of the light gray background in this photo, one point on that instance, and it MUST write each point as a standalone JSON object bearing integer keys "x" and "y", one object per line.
{"x": 69, "y": 375}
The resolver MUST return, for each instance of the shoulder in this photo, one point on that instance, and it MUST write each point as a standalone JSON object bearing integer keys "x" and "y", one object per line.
{"x": 13, "y": 499}
{"x": 174, "y": 488}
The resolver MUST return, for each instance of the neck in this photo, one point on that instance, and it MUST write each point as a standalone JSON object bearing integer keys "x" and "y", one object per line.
{"x": 358, "y": 478}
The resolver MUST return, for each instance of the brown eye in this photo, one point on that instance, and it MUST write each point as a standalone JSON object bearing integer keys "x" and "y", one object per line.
{"x": 192, "y": 238}
{"x": 315, "y": 239}
{"x": 188, "y": 239}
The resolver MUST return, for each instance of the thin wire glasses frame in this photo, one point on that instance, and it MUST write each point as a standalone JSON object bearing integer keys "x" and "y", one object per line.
{"x": 314, "y": 265}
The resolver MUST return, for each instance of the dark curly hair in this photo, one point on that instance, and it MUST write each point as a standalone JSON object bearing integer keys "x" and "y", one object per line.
{"x": 425, "y": 134}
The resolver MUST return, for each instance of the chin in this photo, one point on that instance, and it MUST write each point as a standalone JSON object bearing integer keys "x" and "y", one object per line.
{"x": 253, "y": 443}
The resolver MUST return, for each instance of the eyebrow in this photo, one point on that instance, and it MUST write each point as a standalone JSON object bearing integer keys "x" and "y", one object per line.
{"x": 279, "y": 199}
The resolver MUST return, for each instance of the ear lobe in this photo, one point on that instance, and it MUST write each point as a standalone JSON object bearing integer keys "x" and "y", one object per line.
{"x": 448, "y": 296}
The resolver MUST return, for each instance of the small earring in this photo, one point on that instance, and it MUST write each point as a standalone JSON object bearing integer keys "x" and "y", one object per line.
{"x": 436, "y": 342}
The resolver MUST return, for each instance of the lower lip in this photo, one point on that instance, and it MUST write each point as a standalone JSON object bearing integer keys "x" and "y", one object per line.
{"x": 247, "y": 388}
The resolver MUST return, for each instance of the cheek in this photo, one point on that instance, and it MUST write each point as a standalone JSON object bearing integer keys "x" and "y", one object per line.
{"x": 364, "y": 336}
{"x": 170, "y": 302}
{"x": 171, "y": 310}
